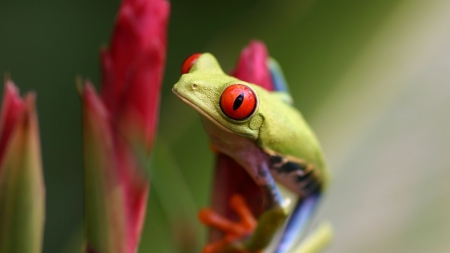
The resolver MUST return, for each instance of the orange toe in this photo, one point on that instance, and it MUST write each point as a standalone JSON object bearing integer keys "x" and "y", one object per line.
{"x": 234, "y": 231}
{"x": 237, "y": 202}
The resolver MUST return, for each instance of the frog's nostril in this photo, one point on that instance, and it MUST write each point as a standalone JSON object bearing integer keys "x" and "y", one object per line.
{"x": 194, "y": 86}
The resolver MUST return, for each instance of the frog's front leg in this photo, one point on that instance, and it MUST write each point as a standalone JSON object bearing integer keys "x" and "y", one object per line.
{"x": 268, "y": 224}
{"x": 273, "y": 218}
{"x": 247, "y": 235}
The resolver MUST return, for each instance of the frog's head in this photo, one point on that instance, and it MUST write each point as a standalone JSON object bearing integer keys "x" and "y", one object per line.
{"x": 227, "y": 101}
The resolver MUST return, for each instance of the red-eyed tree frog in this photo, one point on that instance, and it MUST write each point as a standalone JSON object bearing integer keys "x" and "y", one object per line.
{"x": 262, "y": 132}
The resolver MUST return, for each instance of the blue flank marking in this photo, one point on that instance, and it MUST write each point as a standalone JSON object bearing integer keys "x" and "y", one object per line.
{"x": 276, "y": 73}
{"x": 298, "y": 223}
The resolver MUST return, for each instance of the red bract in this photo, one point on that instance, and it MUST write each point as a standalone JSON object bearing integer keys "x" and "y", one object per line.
{"x": 253, "y": 67}
{"x": 133, "y": 66}
{"x": 22, "y": 191}
{"x": 12, "y": 108}
{"x": 119, "y": 127}
{"x": 116, "y": 189}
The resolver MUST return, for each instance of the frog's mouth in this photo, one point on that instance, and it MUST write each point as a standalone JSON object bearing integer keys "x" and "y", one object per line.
{"x": 201, "y": 111}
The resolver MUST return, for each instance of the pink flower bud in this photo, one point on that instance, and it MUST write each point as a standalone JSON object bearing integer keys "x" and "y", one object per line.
{"x": 120, "y": 126}
{"x": 22, "y": 191}
{"x": 253, "y": 67}
{"x": 133, "y": 67}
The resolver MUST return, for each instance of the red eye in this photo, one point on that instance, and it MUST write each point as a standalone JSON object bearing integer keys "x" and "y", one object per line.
{"x": 238, "y": 102}
{"x": 187, "y": 64}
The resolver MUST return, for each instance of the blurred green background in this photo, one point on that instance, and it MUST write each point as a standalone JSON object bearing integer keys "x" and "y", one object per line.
{"x": 372, "y": 78}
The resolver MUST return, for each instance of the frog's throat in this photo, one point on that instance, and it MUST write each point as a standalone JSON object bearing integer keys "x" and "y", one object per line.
{"x": 201, "y": 111}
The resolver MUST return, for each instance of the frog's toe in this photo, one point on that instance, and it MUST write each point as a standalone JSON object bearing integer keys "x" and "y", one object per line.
{"x": 238, "y": 204}
{"x": 234, "y": 232}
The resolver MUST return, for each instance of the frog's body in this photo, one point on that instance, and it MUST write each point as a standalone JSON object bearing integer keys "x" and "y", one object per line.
{"x": 273, "y": 143}
{"x": 289, "y": 166}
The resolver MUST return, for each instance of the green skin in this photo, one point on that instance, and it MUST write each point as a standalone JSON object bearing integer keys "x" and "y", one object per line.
{"x": 275, "y": 128}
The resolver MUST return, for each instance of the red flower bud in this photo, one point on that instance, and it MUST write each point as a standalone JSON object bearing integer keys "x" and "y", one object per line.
{"x": 12, "y": 108}
{"x": 121, "y": 124}
{"x": 133, "y": 67}
{"x": 253, "y": 66}
{"x": 22, "y": 190}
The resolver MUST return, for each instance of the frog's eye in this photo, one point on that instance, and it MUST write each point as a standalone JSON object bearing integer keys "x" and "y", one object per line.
{"x": 187, "y": 64}
{"x": 238, "y": 102}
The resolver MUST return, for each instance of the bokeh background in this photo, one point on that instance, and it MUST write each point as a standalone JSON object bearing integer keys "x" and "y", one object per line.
{"x": 372, "y": 77}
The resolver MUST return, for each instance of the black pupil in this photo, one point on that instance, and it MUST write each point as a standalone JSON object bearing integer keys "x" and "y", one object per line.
{"x": 238, "y": 101}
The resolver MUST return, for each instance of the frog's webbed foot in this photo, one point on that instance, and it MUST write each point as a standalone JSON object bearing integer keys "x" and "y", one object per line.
{"x": 234, "y": 232}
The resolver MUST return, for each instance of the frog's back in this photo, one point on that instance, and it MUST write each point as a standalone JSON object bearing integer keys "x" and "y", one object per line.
{"x": 296, "y": 155}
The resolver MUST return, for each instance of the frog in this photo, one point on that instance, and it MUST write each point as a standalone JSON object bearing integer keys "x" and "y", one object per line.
{"x": 264, "y": 133}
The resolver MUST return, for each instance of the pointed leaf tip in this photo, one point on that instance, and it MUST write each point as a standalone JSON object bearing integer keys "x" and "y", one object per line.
{"x": 92, "y": 103}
